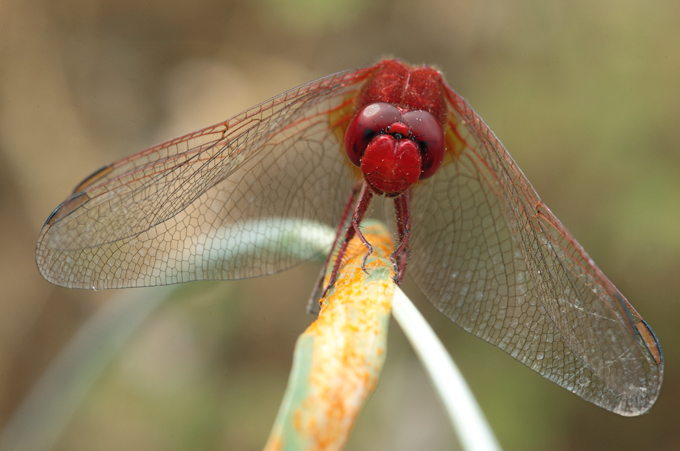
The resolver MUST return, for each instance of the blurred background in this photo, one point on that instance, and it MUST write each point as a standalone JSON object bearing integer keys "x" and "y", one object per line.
{"x": 584, "y": 94}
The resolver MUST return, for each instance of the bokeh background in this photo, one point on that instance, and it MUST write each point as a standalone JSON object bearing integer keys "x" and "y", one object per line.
{"x": 584, "y": 94}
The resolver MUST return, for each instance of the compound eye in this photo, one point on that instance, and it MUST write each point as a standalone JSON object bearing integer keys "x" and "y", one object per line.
{"x": 370, "y": 121}
{"x": 428, "y": 133}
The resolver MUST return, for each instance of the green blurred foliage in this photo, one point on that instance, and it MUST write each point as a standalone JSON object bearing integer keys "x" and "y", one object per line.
{"x": 583, "y": 94}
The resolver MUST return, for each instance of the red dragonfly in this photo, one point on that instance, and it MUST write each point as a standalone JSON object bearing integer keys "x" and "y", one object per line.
{"x": 480, "y": 243}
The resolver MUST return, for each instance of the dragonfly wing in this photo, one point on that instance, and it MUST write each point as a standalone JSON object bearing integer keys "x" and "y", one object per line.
{"x": 214, "y": 204}
{"x": 489, "y": 255}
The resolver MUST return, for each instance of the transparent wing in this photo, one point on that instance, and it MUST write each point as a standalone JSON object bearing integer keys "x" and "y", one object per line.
{"x": 185, "y": 209}
{"x": 489, "y": 255}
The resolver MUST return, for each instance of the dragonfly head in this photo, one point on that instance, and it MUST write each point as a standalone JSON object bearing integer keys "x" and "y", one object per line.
{"x": 394, "y": 148}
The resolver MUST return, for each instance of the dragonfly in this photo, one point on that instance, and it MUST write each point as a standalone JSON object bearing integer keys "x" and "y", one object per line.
{"x": 471, "y": 231}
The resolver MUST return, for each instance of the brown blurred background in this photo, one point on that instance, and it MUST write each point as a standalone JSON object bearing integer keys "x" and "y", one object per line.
{"x": 584, "y": 94}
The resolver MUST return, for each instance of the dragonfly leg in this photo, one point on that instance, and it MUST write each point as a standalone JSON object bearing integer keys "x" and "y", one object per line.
{"x": 398, "y": 257}
{"x": 365, "y": 197}
{"x": 319, "y": 292}
{"x": 355, "y": 224}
